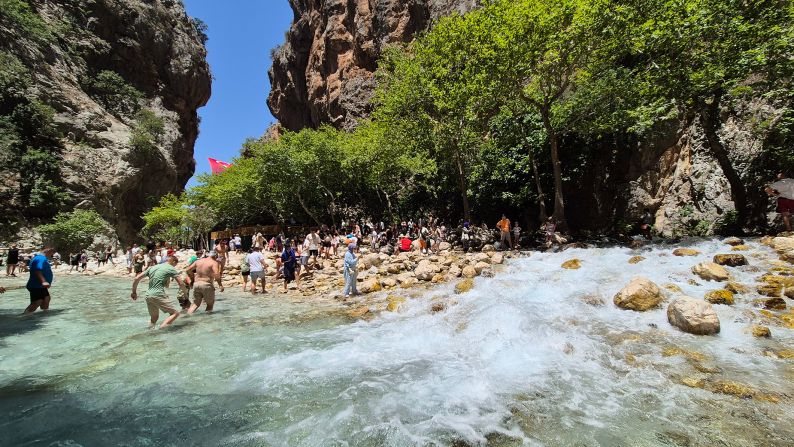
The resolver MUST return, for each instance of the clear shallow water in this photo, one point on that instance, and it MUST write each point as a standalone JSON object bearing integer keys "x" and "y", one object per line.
{"x": 519, "y": 360}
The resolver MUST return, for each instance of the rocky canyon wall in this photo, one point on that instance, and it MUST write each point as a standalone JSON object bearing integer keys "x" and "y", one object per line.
{"x": 151, "y": 46}
{"x": 323, "y": 73}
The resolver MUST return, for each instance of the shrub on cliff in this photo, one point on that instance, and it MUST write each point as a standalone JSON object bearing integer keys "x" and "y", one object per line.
{"x": 75, "y": 230}
{"x": 147, "y": 132}
{"x": 114, "y": 93}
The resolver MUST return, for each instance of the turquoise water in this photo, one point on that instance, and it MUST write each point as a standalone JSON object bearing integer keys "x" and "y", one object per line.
{"x": 519, "y": 360}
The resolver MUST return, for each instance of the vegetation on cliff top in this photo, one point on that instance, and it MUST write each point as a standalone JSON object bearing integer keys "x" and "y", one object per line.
{"x": 488, "y": 111}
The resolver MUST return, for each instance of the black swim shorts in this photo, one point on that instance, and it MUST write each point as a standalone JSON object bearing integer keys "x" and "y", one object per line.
{"x": 38, "y": 294}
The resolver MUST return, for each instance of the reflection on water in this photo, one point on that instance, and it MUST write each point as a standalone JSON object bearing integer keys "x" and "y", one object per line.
{"x": 526, "y": 358}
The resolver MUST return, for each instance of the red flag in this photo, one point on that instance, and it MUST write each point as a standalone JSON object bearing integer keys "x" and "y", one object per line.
{"x": 218, "y": 166}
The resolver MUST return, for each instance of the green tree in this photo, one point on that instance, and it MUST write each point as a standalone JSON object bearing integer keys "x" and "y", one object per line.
{"x": 114, "y": 93}
{"x": 697, "y": 51}
{"x": 75, "y": 230}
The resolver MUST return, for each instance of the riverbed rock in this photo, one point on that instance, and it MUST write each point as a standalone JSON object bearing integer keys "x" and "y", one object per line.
{"x": 480, "y": 267}
{"x": 760, "y": 331}
{"x": 740, "y": 248}
{"x": 775, "y": 304}
{"x": 497, "y": 258}
{"x": 469, "y": 272}
{"x": 425, "y": 270}
{"x": 693, "y": 316}
{"x": 636, "y": 259}
{"x": 445, "y": 246}
{"x": 731, "y": 260}
{"x": 572, "y": 264}
{"x": 720, "y": 296}
{"x": 488, "y": 248}
{"x": 388, "y": 282}
{"x": 464, "y": 286}
{"x": 395, "y": 303}
{"x": 711, "y": 271}
{"x": 358, "y": 312}
{"x": 372, "y": 259}
{"x": 640, "y": 294}
{"x": 454, "y": 271}
{"x": 737, "y": 288}
{"x": 685, "y": 252}
{"x": 733, "y": 241}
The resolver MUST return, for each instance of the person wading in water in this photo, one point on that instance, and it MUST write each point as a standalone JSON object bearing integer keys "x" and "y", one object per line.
{"x": 156, "y": 299}
{"x": 206, "y": 270}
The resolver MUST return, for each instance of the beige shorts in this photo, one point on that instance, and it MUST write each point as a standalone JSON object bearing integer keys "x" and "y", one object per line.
{"x": 203, "y": 292}
{"x": 155, "y": 303}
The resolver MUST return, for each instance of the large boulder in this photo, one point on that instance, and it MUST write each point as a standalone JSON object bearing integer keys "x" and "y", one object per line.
{"x": 711, "y": 271}
{"x": 693, "y": 316}
{"x": 469, "y": 272}
{"x": 733, "y": 241}
{"x": 425, "y": 270}
{"x": 497, "y": 258}
{"x": 444, "y": 246}
{"x": 370, "y": 285}
{"x": 731, "y": 260}
{"x": 640, "y": 294}
{"x": 372, "y": 259}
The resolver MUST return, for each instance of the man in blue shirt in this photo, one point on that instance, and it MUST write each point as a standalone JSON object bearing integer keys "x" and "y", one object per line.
{"x": 40, "y": 279}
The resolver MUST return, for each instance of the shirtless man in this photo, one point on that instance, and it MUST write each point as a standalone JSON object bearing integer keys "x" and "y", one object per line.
{"x": 222, "y": 250}
{"x": 206, "y": 271}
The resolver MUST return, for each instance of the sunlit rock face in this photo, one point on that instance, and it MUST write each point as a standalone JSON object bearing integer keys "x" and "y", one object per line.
{"x": 324, "y": 71}
{"x": 155, "y": 48}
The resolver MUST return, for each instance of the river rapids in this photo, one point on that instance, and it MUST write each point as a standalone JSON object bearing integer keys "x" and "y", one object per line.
{"x": 535, "y": 356}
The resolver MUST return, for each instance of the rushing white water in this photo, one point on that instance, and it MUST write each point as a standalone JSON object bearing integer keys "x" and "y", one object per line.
{"x": 521, "y": 359}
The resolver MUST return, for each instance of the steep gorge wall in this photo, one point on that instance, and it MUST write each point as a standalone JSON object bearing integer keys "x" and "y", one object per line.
{"x": 155, "y": 48}
{"x": 323, "y": 73}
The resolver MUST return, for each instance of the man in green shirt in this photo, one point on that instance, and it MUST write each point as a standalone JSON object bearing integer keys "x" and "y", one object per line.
{"x": 156, "y": 299}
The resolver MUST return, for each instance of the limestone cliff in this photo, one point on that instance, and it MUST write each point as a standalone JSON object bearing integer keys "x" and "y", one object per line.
{"x": 84, "y": 60}
{"x": 323, "y": 73}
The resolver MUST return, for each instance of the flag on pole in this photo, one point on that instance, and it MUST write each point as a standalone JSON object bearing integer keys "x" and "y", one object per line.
{"x": 218, "y": 166}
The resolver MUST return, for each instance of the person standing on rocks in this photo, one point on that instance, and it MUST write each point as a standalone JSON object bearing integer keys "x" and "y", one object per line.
{"x": 516, "y": 235}
{"x": 39, "y": 281}
{"x": 156, "y": 299}
{"x": 314, "y": 246}
{"x": 256, "y": 263}
{"x": 12, "y": 259}
{"x": 206, "y": 271}
{"x": 290, "y": 263}
{"x": 465, "y": 236}
{"x": 109, "y": 255}
{"x": 783, "y": 188}
{"x": 83, "y": 260}
{"x": 504, "y": 228}
{"x": 222, "y": 250}
{"x": 245, "y": 270}
{"x": 350, "y": 271}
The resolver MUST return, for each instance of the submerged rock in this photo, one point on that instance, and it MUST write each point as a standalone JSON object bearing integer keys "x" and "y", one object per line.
{"x": 711, "y": 271}
{"x": 636, "y": 259}
{"x": 733, "y": 241}
{"x": 731, "y": 260}
{"x": 721, "y": 296}
{"x": 640, "y": 294}
{"x": 464, "y": 286}
{"x": 685, "y": 252}
{"x": 775, "y": 304}
{"x": 693, "y": 316}
{"x": 736, "y": 288}
{"x": 572, "y": 264}
{"x": 760, "y": 331}
{"x": 469, "y": 272}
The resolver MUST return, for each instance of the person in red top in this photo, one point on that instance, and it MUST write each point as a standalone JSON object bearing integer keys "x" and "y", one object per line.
{"x": 405, "y": 243}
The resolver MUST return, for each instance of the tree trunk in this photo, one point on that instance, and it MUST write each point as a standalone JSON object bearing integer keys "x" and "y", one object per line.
{"x": 710, "y": 120}
{"x": 541, "y": 197}
{"x": 464, "y": 185}
{"x": 559, "y": 202}
{"x": 306, "y": 209}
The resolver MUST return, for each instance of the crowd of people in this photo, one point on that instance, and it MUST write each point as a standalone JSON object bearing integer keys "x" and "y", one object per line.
{"x": 292, "y": 256}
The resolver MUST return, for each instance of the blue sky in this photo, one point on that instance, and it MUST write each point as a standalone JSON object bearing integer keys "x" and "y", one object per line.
{"x": 241, "y": 34}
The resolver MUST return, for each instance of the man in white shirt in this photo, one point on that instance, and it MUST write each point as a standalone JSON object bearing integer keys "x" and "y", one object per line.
{"x": 313, "y": 238}
{"x": 783, "y": 188}
{"x": 256, "y": 261}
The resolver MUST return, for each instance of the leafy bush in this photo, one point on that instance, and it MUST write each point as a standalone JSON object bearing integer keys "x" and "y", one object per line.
{"x": 114, "y": 93}
{"x": 201, "y": 29}
{"x": 147, "y": 133}
{"x": 175, "y": 220}
{"x": 74, "y": 230}
{"x": 21, "y": 16}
